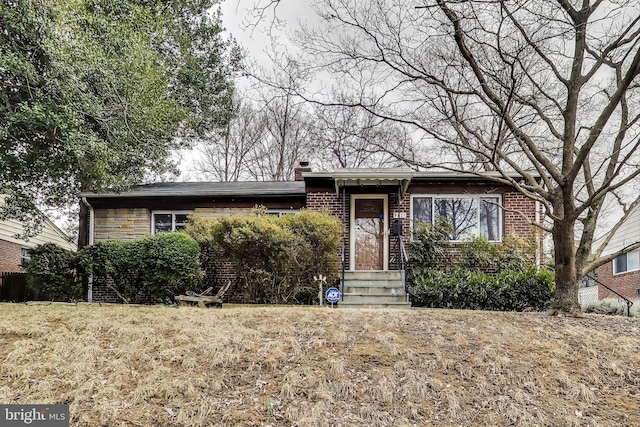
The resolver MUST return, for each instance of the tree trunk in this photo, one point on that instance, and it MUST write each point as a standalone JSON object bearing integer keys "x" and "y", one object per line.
{"x": 566, "y": 294}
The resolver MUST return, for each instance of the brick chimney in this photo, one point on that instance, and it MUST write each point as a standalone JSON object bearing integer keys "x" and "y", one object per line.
{"x": 304, "y": 167}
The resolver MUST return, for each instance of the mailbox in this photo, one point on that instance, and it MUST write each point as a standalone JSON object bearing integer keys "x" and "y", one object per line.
{"x": 396, "y": 228}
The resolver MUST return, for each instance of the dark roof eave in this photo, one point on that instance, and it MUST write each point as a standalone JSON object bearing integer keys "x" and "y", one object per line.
{"x": 440, "y": 176}
{"x": 236, "y": 189}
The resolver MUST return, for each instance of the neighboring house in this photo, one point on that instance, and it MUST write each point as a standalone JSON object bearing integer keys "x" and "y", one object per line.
{"x": 623, "y": 273}
{"x": 14, "y": 251}
{"x": 377, "y": 207}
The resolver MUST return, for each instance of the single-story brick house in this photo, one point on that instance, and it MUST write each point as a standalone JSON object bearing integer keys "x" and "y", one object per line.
{"x": 376, "y": 206}
{"x": 623, "y": 273}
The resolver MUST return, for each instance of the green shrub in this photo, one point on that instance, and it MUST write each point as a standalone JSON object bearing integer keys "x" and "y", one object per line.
{"x": 478, "y": 254}
{"x": 468, "y": 289}
{"x": 485, "y": 275}
{"x": 159, "y": 266}
{"x": 116, "y": 260}
{"x": 513, "y": 253}
{"x": 53, "y": 272}
{"x": 168, "y": 264}
{"x": 429, "y": 244}
{"x": 275, "y": 259}
{"x": 156, "y": 267}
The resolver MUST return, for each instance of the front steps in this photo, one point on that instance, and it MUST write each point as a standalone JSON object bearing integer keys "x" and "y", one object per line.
{"x": 374, "y": 289}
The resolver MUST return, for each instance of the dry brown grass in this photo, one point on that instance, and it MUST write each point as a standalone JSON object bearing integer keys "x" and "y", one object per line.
{"x": 149, "y": 366}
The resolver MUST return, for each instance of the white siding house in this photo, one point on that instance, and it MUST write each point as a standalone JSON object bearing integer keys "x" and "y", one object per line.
{"x": 623, "y": 273}
{"x": 15, "y": 250}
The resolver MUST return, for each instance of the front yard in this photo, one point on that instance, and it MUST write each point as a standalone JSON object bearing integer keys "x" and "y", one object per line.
{"x": 146, "y": 366}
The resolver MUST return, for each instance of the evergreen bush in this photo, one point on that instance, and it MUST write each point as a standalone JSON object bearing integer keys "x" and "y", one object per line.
{"x": 275, "y": 258}
{"x": 155, "y": 267}
{"x": 53, "y": 272}
{"x": 463, "y": 288}
{"x": 429, "y": 244}
{"x": 487, "y": 276}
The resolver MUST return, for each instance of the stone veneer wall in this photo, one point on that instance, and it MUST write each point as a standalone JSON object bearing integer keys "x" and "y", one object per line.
{"x": 121, "y": 224}
{"x": 626, "y": 284}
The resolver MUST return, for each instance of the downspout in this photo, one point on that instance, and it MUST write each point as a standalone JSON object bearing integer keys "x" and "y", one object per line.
{"x": 91, "y": 231}
{"x": 539, "y": 239}
{"x": 344, "y": 252}
{"x": 403, "y": 272}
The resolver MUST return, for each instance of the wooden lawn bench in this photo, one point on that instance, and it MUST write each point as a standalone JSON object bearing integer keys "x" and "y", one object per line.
{"x": 203, "y": 299}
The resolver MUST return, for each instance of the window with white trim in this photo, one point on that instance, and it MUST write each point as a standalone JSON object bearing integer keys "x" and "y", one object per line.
{"x": 165, "y": 221}
{"x": 25, "y": 256}
{"x": 626, "y": 262}
{"x": 470, "y": 215}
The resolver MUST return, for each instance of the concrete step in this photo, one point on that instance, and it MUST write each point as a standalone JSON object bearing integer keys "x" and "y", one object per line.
{"x": 374, "y": 289}
{"x": 372, "y": 299}
{"x": 351, "y": 288}
{"x": 373, "y": 279}
{"x": 373, "y": 275}
{"x": 389, "y": 305}
{"x": 374, "y": 283}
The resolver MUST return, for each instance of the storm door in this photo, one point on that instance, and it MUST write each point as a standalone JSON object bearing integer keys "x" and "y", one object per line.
{"x": 368, "y": 233}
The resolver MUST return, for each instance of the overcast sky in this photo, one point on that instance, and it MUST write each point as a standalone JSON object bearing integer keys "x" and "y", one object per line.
{"x": 236, "y": 18}
{"x": 256, "y": 40}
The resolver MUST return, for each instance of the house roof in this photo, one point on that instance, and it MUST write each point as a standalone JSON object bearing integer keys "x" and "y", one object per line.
{"x": 11, "y": 229}
{"x": 341, "y": 177}
{"x": 405, "y": 173}
{"x": 401, "y": 177}
{"x": 206, "y": 189}
{"x": 628, "y": 234}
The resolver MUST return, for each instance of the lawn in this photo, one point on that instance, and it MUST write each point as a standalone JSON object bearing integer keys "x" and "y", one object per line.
{"x": 151, "y": 366}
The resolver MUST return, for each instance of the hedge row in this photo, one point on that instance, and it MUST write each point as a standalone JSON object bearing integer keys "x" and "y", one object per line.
{"x": 484, "y": 275}
{"x": 156, "y": 267}
{"x": 462, "y": 288}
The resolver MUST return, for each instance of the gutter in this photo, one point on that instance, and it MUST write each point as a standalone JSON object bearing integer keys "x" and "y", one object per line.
{"x": 91, "y": 231}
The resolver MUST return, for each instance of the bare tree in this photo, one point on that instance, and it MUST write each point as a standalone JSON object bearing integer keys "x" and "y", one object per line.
{"x": 287, "y": 138}
{"x": 225, "y": 156}
{"x": 547, "y": 88}
{"x": 349, "y": 138}
{"x": 265, "y": 139}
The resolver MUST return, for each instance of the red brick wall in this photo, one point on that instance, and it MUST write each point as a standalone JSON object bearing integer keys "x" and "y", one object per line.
{"x": 104, "y": 290}
{"x": 101, "y": 292}
{"x": 10, "y": 256}
{"x": 626, "y": 284}
{"x": 332, "y": 202}
{"x": 218, "y": 272}
{"x": 394, "y": 207}
{"x": 516, "y": 204}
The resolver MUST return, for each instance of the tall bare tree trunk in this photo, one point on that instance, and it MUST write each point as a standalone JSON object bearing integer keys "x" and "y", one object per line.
{"x": 566, "y": 295}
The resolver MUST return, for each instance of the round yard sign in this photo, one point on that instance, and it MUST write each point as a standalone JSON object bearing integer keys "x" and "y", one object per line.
{"x": 332, "y": 295}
